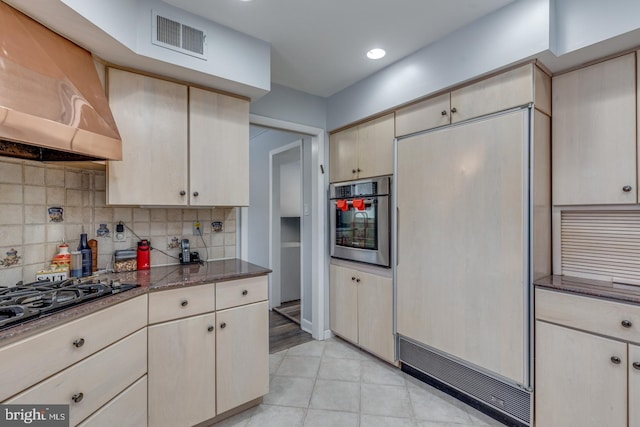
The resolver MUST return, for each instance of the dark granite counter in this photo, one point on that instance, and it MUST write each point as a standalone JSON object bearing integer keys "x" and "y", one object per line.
{"x": 594, "y": 288}
{"x": 155, "y": 279}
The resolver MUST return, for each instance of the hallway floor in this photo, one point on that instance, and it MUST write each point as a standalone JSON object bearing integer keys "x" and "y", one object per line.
{"x": 332, "y": 383}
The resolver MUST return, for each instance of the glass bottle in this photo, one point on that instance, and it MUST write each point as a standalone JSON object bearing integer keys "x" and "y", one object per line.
{"x": 87, "y": 261}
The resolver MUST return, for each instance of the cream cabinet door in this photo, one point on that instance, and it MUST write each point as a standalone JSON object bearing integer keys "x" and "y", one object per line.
{"x": 343, "y": 302}
{"x": 594, "y": 134}
{"x": 506, "y": 90}
{"x": 218, "y": 149}
{"x": 578, "y": 382}
{"x": 375, "y": 147}
{"x": 128, "y": 409}
{"x": 634, "y": 385}
{"x": 428, "y": 114}
{"x": 182, "y": 371}
{"x": 151, "y": 115}
{"x": 343, "y": 148}
{"x": 469, "y": 214}
{"x": 375, "y": 315}
{"x": 243, "y": 355}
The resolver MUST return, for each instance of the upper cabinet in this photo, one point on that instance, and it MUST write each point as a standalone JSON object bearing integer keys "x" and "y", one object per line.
{"x": 218, "y": 149}
{"x": 363, "y": 151}
{"x": 594, "y": 134}
{"x": 182, "y": 146}
{"x": 151, "y": 115}
{"x": 510, "y": 89}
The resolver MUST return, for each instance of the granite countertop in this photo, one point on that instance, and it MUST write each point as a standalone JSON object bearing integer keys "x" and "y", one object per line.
{"x": 152, "y": 280}
{"x": 594, "y": 288}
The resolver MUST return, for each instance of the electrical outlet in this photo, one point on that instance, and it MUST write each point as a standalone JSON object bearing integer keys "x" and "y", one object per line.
{"x": 120, "y": 233}
{"x": 197, "y": 228}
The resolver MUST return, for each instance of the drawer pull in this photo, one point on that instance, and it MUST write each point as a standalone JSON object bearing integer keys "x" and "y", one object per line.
{"x": 184, "y": 303}
{"x": 77, "y": 398}
{"x": 78, "y": 343}
{"x": 626, "y": 323}
{"x": 627, "y": 188}
{"x": 245, "y": 292}
{"x": 210, "y": 329}
{"x": 353, "y": 278}
{"x": 358, "y": 280}
{"x": 223, "y": 325}
{"x": 616, "y": 360}
{"x": 444, "y": 112}
{"x": 636, "y": 365}
{"x": 454, "y": 110}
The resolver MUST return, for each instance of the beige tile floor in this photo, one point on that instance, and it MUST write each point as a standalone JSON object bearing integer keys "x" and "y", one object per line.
{"x": 332, "y": 383}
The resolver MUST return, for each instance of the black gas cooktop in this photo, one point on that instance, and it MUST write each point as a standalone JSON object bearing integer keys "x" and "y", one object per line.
{"x": 24, "y": 302}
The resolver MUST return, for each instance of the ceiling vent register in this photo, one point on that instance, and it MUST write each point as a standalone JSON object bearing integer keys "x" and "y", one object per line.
{"x": 178, "y": 36}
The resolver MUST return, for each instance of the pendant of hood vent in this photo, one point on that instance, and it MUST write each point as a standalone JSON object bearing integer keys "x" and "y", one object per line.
{"x": 52, "y": 104}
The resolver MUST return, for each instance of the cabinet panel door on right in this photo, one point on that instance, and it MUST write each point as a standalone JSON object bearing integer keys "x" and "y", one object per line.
{"x": 634, "y": 385}
{"x": 375, "y": 315}
{"x": 218, "y": 149}
{"x": 577, "y": 383}
{"x": 243, "y": 355}
{"x": 375, "y": 147}
{"x": 594, "y": 134}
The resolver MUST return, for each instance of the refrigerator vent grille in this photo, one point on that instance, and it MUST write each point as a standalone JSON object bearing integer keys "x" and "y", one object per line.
{"x": 506, "y": 398}
{"x": 178, "y": 36}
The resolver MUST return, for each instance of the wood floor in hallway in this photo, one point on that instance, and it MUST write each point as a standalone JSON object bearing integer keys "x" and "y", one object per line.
{"x": 284, "y": 334}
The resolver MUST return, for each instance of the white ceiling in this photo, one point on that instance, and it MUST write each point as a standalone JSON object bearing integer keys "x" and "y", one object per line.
{"x": 319, "y": 46}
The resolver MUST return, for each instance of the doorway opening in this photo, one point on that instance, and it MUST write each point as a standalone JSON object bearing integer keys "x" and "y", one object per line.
{"x": 256, "y": 222}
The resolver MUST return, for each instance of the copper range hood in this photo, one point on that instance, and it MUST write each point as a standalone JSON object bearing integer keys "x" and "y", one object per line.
{"x": 52, "y": 104}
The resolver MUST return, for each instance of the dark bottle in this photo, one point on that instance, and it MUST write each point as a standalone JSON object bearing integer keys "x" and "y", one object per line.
{"x": 85, "y": 250}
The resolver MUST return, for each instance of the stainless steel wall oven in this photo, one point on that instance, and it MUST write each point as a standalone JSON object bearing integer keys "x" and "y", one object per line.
{"x": 361, "y": 220}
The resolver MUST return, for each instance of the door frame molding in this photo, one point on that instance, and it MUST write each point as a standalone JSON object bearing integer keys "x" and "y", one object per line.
{"x": 319, "y": 184}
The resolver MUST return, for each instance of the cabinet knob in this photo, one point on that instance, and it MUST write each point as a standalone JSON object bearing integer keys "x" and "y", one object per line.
{"x": 636, "y": 365}
{"x": 626, "y": 323}
{"x": 210, "y": 329}
{"x": 616, "y": 360}
{"x": 195, "y": 194}
{"x": 182, "y": 193}
{"x": 353, "y": 278}
{"x": 184, "y": 303}
{"x": 245, "y": 292}
{"x": 454, "y": 110}
{"x": 358, "y": 280}
{"x": 359, "y": 170}
{"x": 223, "y": 325}
{"x": 78, "y": 343}
{"x": 627, "y": 188}
{"x": 444, "y": 112}
{"x": 77, "y": 398}
{"x": 353, "y": 171}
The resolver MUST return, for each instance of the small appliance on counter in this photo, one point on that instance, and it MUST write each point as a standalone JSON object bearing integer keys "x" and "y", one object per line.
{"x": 187, "y": 257}
{"x": 144, "y": 255}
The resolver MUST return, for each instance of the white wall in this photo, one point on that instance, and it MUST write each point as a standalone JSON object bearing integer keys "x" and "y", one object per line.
{"x": 291, "y": 105}
{"x": 231, "y": 55}
{"x": 517, "y": 31}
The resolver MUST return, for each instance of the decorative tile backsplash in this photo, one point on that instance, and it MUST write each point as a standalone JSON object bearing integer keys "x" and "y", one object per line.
{"x": 29, "y": 235}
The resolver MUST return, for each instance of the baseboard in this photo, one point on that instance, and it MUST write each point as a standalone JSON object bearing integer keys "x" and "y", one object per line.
{"x": 328, "y": 334}
{"x": 306, "y": 326}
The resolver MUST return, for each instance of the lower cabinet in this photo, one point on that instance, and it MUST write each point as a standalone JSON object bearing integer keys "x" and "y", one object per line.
{"x": 181, "y": 369}
{"x": 587, "y": 361}
{"x": 242, "y": 361}
{"x": 361, "y": 310}
{"x": 581, "y": 379}
{"x": 128, "y": 409}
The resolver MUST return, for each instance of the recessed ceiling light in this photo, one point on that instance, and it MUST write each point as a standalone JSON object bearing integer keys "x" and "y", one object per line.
{"x": 376, "y": 53}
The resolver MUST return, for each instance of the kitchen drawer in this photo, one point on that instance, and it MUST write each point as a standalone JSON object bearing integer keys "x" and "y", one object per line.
{"x": 589, "y": 314}
{"x": 26, "y": 362}
{"x": 96, "y": 380}
{"x": 181, "y": 302}
{"x": 240, "y": 292}
{"x": 128, "y": 409}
